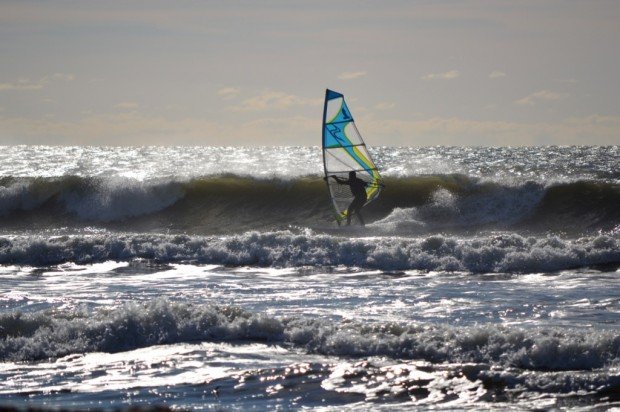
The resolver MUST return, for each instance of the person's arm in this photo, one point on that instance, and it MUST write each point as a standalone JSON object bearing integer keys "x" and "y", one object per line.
{"x": 340, "y": 180}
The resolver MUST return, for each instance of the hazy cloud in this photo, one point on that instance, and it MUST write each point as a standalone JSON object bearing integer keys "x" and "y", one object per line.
{"x": 385, "y": 105}
{"x": 351, "y": 75}
{"x": 127, "y": 105}
{"x": 27, "y": 84}
{"x": 228, "y": 93}
{"x": 133, "y": 128}
{"x": 566, "y": 81}
{"x": 269, "y": 100}
{"x": 596, "y": 129}
{"x": 22, "y": 84}
{"x": 66, "y": 77}
{"x": 496, "y": 74}
{"x": 449, "y": 75}
{"x": 542, "y": 95}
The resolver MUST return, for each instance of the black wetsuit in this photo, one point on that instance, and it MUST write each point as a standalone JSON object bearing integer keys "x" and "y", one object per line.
{"x": 358, "y": 190}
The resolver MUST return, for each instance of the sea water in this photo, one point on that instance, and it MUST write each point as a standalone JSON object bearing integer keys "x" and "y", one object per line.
{"x": 216, "y": 278}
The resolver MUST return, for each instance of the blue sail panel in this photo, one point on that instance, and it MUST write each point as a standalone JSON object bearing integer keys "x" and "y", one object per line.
{"x": 335, "y": 136}
{"x": 330, "y": 94}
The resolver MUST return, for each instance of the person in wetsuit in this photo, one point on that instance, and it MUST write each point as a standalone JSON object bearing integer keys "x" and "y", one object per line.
{"x": 358, "y": 189}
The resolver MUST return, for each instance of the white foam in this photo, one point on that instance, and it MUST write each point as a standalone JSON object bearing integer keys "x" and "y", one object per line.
{"x": 498, "y": 253}
{"x": 495, "y": 205}
{"x": 47, "y": 334}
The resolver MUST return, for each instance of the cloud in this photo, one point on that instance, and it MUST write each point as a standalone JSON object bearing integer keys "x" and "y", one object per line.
{"x": 127, "y": 106}
{"x": 496, "y": 74}
{"x": 272, "y": 100}
{"x": 449, "y": 75}
{"x": 27, "y": 84}
{"x": 593, "y": 129}
{"x": 351, "y": 75}
{"x": 566, "y": 81}
{"x": 542, "y": 95}
{"x": 134, "y": 128}
{"x": 385, "y": 105}
{"x": 228, "y": 93}
{"x": 22, "y": 84}
{"x": 65, "y": 77}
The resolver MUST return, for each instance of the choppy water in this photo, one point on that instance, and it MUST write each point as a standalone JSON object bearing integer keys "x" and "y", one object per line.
{"x": 209, "y": 278}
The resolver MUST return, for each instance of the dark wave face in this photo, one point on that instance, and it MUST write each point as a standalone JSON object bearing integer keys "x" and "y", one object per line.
{"x": 231, "y": 204}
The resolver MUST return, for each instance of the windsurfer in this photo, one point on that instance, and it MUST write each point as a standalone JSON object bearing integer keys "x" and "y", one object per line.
{"x": 358, "y": 190}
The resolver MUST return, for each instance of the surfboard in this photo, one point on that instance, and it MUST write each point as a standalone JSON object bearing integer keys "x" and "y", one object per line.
{"x": 344, "y": 150}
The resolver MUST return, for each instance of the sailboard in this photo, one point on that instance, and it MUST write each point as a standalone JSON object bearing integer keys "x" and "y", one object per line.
{"x": 345, "y": 151}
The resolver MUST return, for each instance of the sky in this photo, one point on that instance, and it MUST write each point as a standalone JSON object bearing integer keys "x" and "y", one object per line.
{"x": 415, "y": 73}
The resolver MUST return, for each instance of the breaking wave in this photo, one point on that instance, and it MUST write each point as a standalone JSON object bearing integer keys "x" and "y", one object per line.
{"x": 508, "y": 253}
{"x": 229, "y": 203}
{"x": 45, "y": 334}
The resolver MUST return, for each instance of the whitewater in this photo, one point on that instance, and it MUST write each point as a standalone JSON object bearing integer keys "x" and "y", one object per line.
{"x": 209, "y": 278}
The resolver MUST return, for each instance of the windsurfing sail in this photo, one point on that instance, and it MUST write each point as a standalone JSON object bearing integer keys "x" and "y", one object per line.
{"x": 345, "y": 151}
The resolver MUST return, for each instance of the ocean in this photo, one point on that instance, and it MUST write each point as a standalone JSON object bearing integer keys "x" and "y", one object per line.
{"x": 215, "y": 278}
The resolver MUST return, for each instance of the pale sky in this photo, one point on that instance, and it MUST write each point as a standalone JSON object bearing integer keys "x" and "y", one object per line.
{"x": 415, "y": 73}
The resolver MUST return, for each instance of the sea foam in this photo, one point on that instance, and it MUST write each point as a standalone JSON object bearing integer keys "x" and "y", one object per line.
{"x": 44, "y": 334}
{"x": 510, "y": 253}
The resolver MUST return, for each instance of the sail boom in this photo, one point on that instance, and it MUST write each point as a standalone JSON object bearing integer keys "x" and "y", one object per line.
{"x": 340, "y": 122}
{"x": 341, "y": 146}
{"x": 335, "y": 172}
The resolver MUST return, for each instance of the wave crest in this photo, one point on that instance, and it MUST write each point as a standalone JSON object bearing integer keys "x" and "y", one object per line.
{"x": 506, "y": 253}
{"x": 45, "y": 334}
{"x": 229, "y": 203}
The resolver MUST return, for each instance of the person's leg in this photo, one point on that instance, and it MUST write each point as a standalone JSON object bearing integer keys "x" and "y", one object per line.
{"x": 350, "y": 212}
{"x": 355, "y": 207}
{"x": 359, "y": 216}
